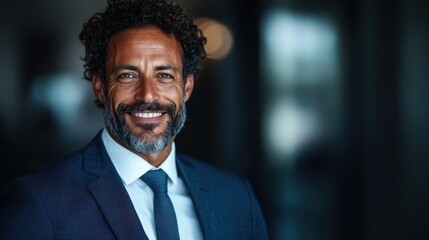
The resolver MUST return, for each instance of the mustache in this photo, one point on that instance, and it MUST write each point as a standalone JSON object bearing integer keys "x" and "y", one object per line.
{"x": 142, "y": 106}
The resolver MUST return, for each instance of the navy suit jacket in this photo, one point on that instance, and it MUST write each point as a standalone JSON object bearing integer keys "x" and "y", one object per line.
{"x": 83, "y": 197}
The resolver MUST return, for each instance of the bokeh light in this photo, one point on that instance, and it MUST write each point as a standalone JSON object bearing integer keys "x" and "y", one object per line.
{"x": 219, "y": 38}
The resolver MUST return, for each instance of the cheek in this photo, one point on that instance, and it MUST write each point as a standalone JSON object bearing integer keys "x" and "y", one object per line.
{"x": 175, "y": 93}
{"x": 118, "y": 94}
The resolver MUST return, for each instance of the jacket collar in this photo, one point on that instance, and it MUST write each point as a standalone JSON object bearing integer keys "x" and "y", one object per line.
{"x": 201, "y": 192}
{"x": 108, "y": 191}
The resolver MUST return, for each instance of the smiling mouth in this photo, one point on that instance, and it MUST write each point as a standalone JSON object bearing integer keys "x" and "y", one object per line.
{"x": 146, "y": 115}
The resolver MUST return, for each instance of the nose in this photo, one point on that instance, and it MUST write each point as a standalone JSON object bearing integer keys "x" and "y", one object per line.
{"x": 147, "y": 91}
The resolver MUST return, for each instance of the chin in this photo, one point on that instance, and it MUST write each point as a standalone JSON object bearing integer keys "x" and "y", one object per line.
{"x": 145, "y": 134}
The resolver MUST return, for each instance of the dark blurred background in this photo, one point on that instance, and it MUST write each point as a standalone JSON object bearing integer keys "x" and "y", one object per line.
{"x": 322, "y": 105}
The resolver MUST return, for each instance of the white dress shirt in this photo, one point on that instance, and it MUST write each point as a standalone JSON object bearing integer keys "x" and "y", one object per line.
{"x": 131, "y": 167}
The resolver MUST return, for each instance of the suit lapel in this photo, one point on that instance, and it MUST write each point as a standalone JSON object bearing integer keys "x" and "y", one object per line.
{"x": 110, "y": 194}
{"x": 199, "y": 191}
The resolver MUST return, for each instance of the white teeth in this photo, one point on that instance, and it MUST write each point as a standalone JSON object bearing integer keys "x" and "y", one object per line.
{"x": 146, "y": 115}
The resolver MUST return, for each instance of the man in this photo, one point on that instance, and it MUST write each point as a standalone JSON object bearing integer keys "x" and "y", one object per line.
{"x": 142, "y": 57}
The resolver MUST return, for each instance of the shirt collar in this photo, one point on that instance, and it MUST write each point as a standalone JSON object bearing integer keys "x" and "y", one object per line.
{"x": 130, "y": 166}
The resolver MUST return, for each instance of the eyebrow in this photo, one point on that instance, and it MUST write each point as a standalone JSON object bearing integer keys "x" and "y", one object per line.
{"x": 124, "y": 67}
{"x": 135, "y": 68}
{"x": 166, "y": 67}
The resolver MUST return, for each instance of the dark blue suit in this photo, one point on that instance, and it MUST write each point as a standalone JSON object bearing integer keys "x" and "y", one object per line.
{"x": 83, "y": 198}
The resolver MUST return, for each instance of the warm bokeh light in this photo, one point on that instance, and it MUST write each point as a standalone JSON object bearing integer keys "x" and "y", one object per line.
{"x": 219, "y": 38}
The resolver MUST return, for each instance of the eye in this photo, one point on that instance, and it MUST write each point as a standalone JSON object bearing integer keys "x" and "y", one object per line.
{"x": 127, "y": 77}
{"x": 164, "y": 76}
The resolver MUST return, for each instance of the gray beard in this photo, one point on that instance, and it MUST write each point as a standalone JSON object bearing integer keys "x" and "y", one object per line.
{"x": 116, "y": 125}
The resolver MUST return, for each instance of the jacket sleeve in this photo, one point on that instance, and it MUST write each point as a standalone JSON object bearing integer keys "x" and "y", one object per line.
{"x": 22, "y": 213}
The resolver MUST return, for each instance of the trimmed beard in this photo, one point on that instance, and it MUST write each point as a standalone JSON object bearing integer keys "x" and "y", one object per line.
{"x": 117, "y": 125}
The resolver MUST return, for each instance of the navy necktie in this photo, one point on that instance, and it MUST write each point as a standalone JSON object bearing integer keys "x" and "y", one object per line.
{"x": 165, "y": 217}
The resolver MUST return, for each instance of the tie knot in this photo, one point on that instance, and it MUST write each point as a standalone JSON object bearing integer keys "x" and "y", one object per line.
{"x": 156, "y": 180}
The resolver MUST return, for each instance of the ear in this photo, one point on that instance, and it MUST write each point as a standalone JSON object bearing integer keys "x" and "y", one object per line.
{"x": 97, "y": 87}
{"x": 189, "y": 86}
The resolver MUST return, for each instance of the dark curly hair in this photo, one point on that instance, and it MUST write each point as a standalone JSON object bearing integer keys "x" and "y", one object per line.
{"x": 123, "y": 14}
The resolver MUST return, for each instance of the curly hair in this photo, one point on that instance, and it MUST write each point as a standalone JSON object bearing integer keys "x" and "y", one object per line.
{"x": 123, "y": 14}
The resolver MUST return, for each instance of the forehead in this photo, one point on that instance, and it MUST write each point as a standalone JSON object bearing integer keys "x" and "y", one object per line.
{"x": 140, "y": 42}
